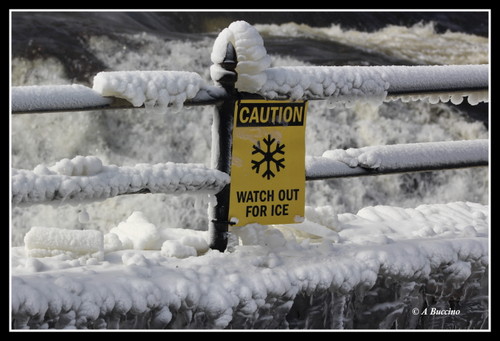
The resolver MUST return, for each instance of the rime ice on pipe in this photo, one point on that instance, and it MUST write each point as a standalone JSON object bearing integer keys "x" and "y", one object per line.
{"x": 412, "y": 154}
{"x": 85, "y": 177}
{"x": 78, "y": 166}
{"x": 151, "y": 88}
{"x": 341, "y": 84}
{"x": 251, "y": 53}
{"x": 52, "y": 97}
{"x": 344, "y": 83}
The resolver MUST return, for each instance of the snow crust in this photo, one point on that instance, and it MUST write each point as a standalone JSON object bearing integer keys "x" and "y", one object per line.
{"x": 48, "y": 97}
{"x": 150, "y": 88}
{"x": 169, "y": 279}
{"x": 412, "y": 155}
{"x": 85, "y": 178}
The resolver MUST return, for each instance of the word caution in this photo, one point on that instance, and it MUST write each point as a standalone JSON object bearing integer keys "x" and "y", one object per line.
{"x": 263, "y": 114}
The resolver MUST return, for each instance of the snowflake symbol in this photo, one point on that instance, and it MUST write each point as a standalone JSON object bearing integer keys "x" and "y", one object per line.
{"x": 268, "y": 156}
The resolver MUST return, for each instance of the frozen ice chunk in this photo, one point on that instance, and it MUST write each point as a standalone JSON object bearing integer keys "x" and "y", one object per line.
{"x": 51, "y": 241}
{"x": 175, "y": 248}
{"x": 137, "y": 233}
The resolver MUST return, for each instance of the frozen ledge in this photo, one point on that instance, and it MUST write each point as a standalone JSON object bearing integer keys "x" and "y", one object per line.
{"x": 338, "y": 287}
{"x": 383, "y": 269}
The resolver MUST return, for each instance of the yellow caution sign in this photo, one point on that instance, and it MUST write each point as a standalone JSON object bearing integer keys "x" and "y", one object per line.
{"x": 268, "y": 162}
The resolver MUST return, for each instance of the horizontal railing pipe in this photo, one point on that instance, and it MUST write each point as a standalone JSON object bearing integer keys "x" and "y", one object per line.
{"x": 31, "y": 187}
{"x": 398, "y": 158}
{"x": 321, "y": 168}
{"x": 443, "y": 81}
{"x": 69, "y": 98}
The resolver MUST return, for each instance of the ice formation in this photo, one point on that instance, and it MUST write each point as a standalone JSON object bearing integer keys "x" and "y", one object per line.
{"x": 343, "y": 84}
{"x": 346, "y": 84}
{"x": 439, "y": 80}
{"x": 412, "y": 155}
{"x": 78, "y": 166}
{"x": 138, "y": 233}
{"x": 51, "y": 97}
{"x": 274, "y": 277}
{"x": 86, "y": 178}
{"x": 51, "y": 241}
{"x": 386, "y": 159}
{"x": 251, "y": 54}
{"x": 368, "y": 270}
{"x": 337, "y": 84}
{"x": 149, "y": 88}
{"x": 135, "y": 233}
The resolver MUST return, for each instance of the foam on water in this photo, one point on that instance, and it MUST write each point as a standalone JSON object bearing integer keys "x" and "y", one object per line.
{"x": 419, "y": 44}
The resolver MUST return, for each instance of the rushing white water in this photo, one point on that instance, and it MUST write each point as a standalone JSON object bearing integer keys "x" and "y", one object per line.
{"x": 419, "y": 43}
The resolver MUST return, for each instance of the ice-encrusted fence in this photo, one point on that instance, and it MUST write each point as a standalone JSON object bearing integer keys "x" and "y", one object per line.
{"x": 241, "y": 69}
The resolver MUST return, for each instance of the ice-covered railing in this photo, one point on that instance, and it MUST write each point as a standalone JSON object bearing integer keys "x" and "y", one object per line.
{"x": 336, "y": 84}
{"x": 398, "y": 158}
{"x": 118, "y": 90}
{"x": 252, "y": 73}
{"x": 342, "y": 83}
{"x": 377, "y": 84}
{"x": 426, "y": 257}
{"x": 85, "y": 178}
{"x": 241, "y": 67}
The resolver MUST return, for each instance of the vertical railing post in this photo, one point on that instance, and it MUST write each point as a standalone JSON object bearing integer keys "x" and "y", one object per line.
{"x": 222, "y": 129}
